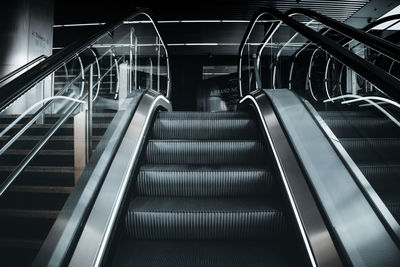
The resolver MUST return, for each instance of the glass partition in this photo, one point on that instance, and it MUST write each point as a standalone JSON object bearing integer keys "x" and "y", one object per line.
{"x": 387, "y": 63}
{"x": 48, "y": 135}
{"x": 360, "y": 113}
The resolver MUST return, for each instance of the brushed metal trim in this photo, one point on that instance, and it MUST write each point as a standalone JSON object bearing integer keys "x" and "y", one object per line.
{"x": 96, "y": 234}
{"x": 316, "y": 237}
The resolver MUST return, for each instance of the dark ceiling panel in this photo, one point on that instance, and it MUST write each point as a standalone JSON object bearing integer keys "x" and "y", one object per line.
{"x": 74, "y": 11}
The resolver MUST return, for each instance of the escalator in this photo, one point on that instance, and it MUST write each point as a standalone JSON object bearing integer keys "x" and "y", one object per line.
{"x": 30, "y": 206}
{"x": 117, "y": 178}
{"x": 206, "y": 194}
{"x": 57, "y": 116}
{"x": 372, "y": 141}
{"x": 369, "y": 133}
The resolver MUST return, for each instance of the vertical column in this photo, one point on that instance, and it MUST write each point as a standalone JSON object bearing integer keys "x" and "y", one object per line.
{"x": 26, "y": 31}
{"x": 80, "y": 144}
{"x": 123, "y": 82}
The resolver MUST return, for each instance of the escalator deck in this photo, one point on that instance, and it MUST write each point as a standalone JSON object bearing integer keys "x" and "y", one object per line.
{"x": 206, "y": 194}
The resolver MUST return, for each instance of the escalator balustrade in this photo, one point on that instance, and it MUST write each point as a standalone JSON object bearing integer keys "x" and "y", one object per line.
{"x": 372, "y": 141}
{"x": 31, "y": 205}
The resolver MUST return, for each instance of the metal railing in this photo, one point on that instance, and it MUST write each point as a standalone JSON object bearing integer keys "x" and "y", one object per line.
{"x": 367, "y": 70}
{"x": 22, "y": 68}
{"x": 40, "y": 71}
{"x": 69, "y": 110}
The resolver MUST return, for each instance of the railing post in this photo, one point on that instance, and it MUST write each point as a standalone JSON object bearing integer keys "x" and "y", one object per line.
{"x": 90, "y": 110}
{"x": 130, "y": 57}
{"x": 135, "y": 87}
{"x": 80, "y": 143}
{"x": 158, "y": 63}
{"x": 111, "y": 72}
{"x": 123, "y": 82}
{"x": 83, "y": 132}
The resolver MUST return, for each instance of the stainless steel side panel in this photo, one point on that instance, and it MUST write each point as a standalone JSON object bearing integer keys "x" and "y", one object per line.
{"x": 357, "y": 227}
{"x": 63, "y": 233}
{"x": 317, "y": 239}
{"x": 92, "y": 243}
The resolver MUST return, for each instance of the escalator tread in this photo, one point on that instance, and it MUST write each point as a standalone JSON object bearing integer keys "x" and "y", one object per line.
{"x": 203, "y": 254}
{"x": 206, "y": 195}
{"x": 204, "y": 180}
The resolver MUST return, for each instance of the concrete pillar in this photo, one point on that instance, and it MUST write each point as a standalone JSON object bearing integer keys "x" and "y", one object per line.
{"x": 26, "y": 32}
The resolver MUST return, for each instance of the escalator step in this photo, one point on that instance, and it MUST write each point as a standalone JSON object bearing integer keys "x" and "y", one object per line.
{"x": 351, "y": 114}
{"x": 33, "y": 200}
{"x": 204, "y": 129}
{"x": 205, "y": 152}
{"x": 65, "y": 129}
{"x": 204, "y": 219}
{"x": 373, "y": 150}
{"x": 56, "y": 142}
{"x": 204, "y": 254}
{"x": 383, "y": 178}
{"x": 41, "y": 176}
{"x": 392, "y": 201}
{"x": 203, "y": 181}
{"x": 363, "y": 127}
{"x": 63, "y": 157}
{"x": 203, "y": 115}
{"x": 19, "y": 226}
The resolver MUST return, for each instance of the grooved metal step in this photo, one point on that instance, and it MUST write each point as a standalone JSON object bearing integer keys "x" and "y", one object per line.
{"x": 150, "y": 218}
{"x": 373, "y": 150}
{"x": 204, "y": 181}
{"x": 363, "y": 127}
{"x": 204, "y": 254}
{"x": 205, "y": 152}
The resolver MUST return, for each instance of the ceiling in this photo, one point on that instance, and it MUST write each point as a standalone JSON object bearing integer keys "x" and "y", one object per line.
{"x": 74, "y": 11}
{"x": 360, "y": 12}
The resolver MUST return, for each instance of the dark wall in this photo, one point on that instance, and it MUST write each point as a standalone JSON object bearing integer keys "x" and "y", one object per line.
{"x": 186, "y": 76}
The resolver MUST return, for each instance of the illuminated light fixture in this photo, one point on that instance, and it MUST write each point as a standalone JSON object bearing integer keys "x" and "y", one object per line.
{"x": 201, "y": 44}
{"x": 79, "y": 24}
{"x": 161, "y": 21}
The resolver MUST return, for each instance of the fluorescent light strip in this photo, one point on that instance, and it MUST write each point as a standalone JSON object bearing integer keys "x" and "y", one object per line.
{"x": 169, "y": 21}
{"x": 161, "y": 21}
{"x": 79, "y": 24}
{"x": 188, "y": 44}
{"x": 201, "y": 21}
{"x": 201, "y": 44}
{"x": 216, "y": 73}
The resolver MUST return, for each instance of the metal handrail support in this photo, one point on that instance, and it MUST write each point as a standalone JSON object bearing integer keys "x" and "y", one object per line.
{"x": 316, "y": 237}
{"x": 40, "y": 71}
{"x": 17, "y": 171}
{"x": 365, "y": 69}
{"x": 44, "y": 107}
{"x": 383, "y": 46}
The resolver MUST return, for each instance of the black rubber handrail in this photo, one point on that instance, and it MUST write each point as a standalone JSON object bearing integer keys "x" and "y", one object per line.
{"x": 381, "y": 45}
{"x": 20, "y": 69}
{"x": 365, "y": 69}
{"x": 380, "y": 21}
{"x": 19, "y": 86}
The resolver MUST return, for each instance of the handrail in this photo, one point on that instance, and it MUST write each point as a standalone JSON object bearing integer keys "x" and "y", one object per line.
{"x": 18, "y": 70}
{"x": 50, "y": 101}
{"x": 381, "y": 45}
{"x": 9, "y": 180}
{"x": 365, "y": 69}
{"x": 31, "y": 77}
{"x": 17, "y": 171}
{"x": 368, "y": 99}
{"x": 380, "y": 21}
